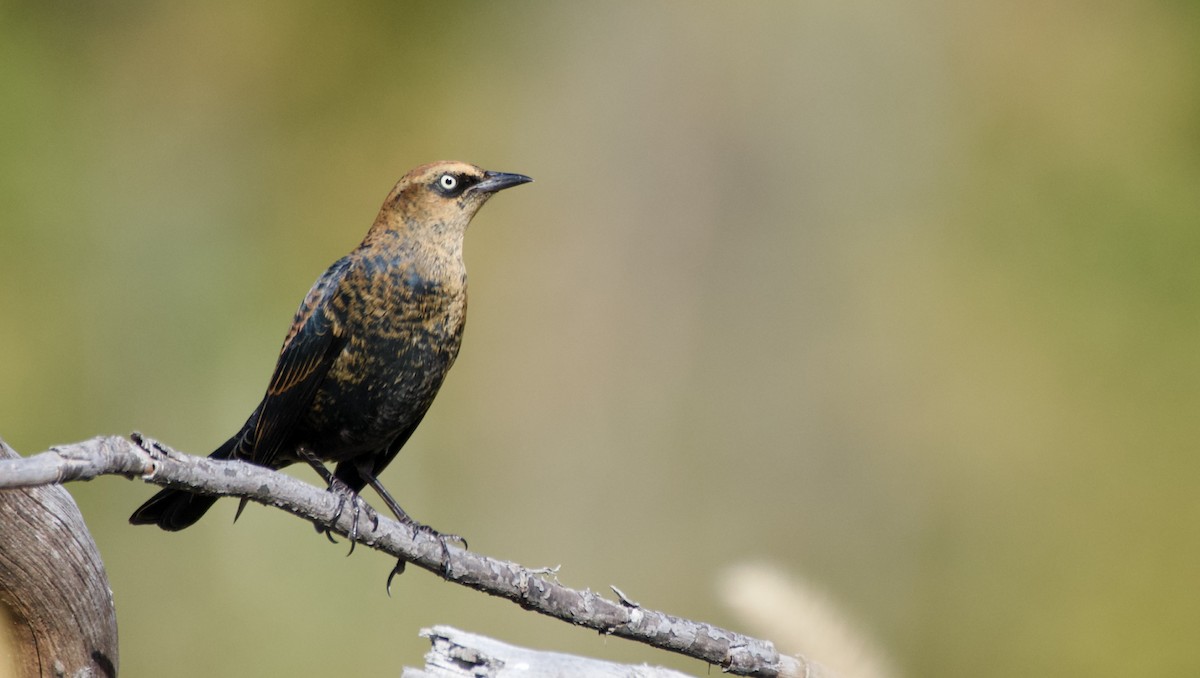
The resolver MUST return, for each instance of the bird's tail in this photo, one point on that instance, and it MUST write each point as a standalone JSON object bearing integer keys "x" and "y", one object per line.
{"x": 173, "y": 510}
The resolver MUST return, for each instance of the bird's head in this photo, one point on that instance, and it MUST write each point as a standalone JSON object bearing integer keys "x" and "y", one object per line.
{"x": 435, "y": 202}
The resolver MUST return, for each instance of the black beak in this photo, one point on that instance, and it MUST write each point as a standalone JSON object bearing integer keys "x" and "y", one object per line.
{"x": 498, "y": 181}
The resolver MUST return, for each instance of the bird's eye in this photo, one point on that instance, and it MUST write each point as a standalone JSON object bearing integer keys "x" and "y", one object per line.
{"x": 448, "y": 182}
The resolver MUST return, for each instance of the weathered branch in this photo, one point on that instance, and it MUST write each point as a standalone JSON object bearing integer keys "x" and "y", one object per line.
{"x": 531, "y": 589}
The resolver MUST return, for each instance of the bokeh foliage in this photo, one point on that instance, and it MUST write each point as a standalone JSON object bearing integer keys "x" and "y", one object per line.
{"x": 903, "y": 297}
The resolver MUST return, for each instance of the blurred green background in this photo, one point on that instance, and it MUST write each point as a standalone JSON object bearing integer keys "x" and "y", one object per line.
{"x": 902, "y": 297}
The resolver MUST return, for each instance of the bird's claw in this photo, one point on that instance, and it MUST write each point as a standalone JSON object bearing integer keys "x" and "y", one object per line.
{"x": 150, "y": 445}
{"x": 397, "y": 569}
{"x": 361, "y": 506}
{"x": 443, "y": 540}
{"x": 454, "y": 537}
{"x": 344, "y": 493}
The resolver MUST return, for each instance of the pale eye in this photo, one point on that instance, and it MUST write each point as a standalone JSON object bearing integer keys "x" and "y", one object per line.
{"x": 448, "y": 182}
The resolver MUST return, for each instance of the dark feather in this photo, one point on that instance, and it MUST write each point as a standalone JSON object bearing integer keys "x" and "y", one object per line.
{"x": 308, "y": 352}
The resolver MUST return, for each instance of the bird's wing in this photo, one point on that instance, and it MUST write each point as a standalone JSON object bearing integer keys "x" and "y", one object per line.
{"x": 312, "y": 344}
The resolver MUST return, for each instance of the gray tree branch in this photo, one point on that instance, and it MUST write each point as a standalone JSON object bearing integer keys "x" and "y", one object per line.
{"x": 531, "y": 589}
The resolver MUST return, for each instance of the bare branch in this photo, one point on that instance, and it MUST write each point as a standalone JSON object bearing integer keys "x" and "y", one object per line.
{"x": 161, "y": 465}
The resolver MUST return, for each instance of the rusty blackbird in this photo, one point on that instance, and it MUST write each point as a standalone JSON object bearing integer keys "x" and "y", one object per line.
{"x": 368, "y": 348}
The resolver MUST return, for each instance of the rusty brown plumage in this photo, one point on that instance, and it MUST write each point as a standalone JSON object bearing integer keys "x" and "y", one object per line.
{"x": 369, "y": 346}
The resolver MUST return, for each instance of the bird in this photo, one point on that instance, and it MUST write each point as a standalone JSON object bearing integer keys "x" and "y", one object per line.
{"x": 367, "y": 351}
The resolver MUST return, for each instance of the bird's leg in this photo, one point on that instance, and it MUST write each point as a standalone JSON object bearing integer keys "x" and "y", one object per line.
{"x": 329, "y": 480}
{"x": 343, "y": 492}
{"x": 403, "y": 517}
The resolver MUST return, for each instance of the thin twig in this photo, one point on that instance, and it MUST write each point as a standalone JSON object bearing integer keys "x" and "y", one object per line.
{"x": 161, "y": 465}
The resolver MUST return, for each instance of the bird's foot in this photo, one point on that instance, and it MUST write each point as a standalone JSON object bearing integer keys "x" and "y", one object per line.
{"x": 148, "y": 444}
{"x": 359, "y": 506}
{"x": 416, "y": 527}
{"x": 442, "y": 537}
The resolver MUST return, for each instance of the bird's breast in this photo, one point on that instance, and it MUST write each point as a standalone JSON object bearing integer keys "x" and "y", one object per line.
{"x": 402, "y": 331}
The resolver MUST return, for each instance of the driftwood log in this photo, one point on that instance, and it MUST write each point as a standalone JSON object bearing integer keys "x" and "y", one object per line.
{"x": 458, "y": 654}
{"x": 56, "y": 604}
